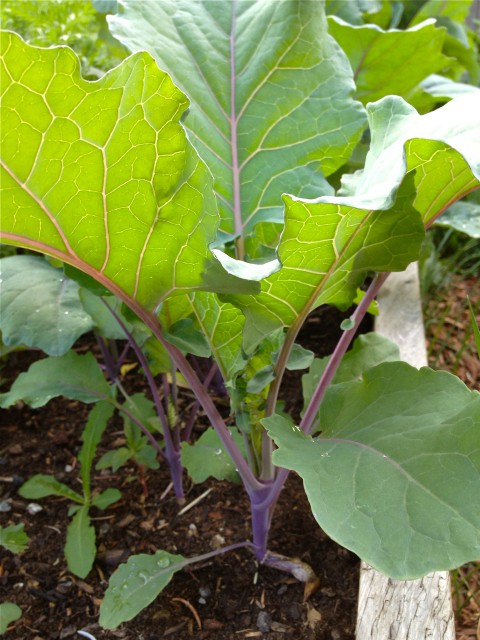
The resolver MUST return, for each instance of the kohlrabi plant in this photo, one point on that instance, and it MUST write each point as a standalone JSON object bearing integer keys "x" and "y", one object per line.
{"x": 174, "y": 205}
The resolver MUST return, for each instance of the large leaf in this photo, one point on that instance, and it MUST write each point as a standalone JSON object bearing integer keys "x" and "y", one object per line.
{"x": 414, "y": 54}
{"x": 443, "y": 147}
{"x": 368, "y": 350}
{"x": 452, "y": 15}
{"x": 270, "y": 94}
{"x": 106, "y": 179}
{"x": 80, "y": 547}
{"x": 73, "y": 376}
{"x": 395, "y": 475}
{"x": 40, "y": 306}
{"x": 329, "y": 243}
{"x": 135, "y": 584}
{"x": 326, "y": 251}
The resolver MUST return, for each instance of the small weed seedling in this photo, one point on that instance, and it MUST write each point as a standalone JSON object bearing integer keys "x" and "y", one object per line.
{"x": 80, "y": 548}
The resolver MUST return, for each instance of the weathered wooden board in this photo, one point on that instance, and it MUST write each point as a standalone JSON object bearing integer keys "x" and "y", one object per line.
{"x": 414, "y": 609}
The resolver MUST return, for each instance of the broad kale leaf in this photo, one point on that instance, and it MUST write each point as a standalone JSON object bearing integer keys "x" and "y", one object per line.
{"x": 101, "y": 174}
{"x": 271, "y": 109}
{"x": 373, "y": 53}
{"x": 395, "y": 474}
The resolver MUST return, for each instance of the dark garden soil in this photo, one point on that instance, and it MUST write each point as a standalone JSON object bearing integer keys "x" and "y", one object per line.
{"x": 229, "y": 597}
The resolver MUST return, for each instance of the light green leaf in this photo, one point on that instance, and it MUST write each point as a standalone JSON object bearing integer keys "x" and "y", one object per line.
{"x": 147, "y": 456}
{"x": 136, "y": 584}
{"x": 207, "y": 457}
{"x": 395, "y": 475}
{"x": 141, "y": 407}
{"x": 41, "y": 486}
{"x": 270, "y": 95}
{"x": 462, "y": 50}
{"x": 442, "y": 146}
{"x": 373, "y": 53}
{"x": 372, "y": 307}
{"x": 40, "y": 306}
{"x": 222, "y": 324}
{"x": 456, "y": 10}
{"x": 326, "y": 252}
{"x": 114, "y": 459}
{"x": 462, "y": 216}
{"x": 14, "y": 538}
{"x": 368, "y": 350}
{"x": 107, "y": 180}
{"x": 80, "y": 549}
{"x": 73, "y": 376}
{"x": 97, "y": 422}
{"x": 250, "y": 271}
{"x": 106, "y": 498}
{"x": 9, "y": 612}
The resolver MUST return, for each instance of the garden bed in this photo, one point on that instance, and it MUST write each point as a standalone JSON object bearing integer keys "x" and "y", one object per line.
{"x": 227, "y": 597}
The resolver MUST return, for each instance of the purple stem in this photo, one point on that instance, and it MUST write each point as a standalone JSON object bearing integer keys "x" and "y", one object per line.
{"x": 171, "y": 454}
{"x": 212, "y": 554}
{"x": 249, "y": 480}
{"x": 166, "y": 390}
{"x": 237, "y": 207}
{"x": 123, "y": 355}
{"x": 196, "y": 406}
{"x": 261, "y": 516}
{"x": 191, "y": 421}
{"x": 111, "y": 366}
{"x": 340, "y": 350}
{"x": 326, "y": 378}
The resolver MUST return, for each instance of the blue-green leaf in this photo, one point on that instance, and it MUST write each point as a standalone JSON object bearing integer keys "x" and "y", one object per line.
{"x": 395, "y": 474}
{"x": 135, "y": 584}
{"x": 74, "y": 376}
{"x": 80, "y": 548}
{"x": 40, "y": 306}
